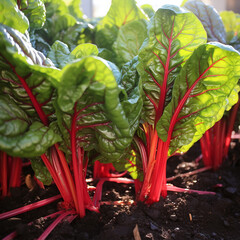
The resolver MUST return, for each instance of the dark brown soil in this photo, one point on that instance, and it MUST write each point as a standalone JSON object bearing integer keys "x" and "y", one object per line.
{"x": 180, "y": 216}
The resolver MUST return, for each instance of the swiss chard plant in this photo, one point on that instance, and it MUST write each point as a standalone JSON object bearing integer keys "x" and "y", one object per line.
{"x": 56, "y": 114}
{"x": 119, "y": 36}
{"x": 186, "y": 87}
{"x": 223, "y": 28}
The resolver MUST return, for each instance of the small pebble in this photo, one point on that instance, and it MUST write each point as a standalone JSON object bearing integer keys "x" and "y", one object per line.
{"x": 153, "y": 226}
{"x": 214, "y": 234}
{"x": 173, "y": 235}
{"x": 231, "y": 190}
{"x": 173, "y": 217}
{"x": 226, "y": 223}
{"x": 149, "y": 235}
{"x": 176, "y": 229}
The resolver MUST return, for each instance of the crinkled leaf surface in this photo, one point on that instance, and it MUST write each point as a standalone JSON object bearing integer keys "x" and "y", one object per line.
{"x": 131, "y": 161}
{"x": 171, "y": 40}
{"x": 130, "y": 83}
{"x": 106, "y": 117}
{"x": 35, "y": 11}
{"x": 18, "y": 136}
{"x": 130, "y": 76}
{"x": 119, "y": 14}
{"x": 39, "y": 43}
{"x": 200, "y": 95}
{"x": 61, "y": 55}
{"x": 17, "y": 47}
{"x": 12, "y": 16}
{"x": 210, "y": 19}
{"x": 129, "y": 40}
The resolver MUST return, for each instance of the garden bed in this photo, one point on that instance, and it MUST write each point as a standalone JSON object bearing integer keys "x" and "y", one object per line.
{"x": 180, "y": 216}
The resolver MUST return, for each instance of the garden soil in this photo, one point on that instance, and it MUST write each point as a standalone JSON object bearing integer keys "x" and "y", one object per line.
{"x": 180, "y": 216}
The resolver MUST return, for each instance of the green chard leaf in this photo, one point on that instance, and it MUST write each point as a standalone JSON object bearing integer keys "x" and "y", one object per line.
{"x": 119, "y": 14}
{"x": 35, "y": 11}
{"x": 210, "y": 19}
{"x": 75, "y": 9}
{"x": 130, "y": 76}
{"x": 129, "y": 40}
{"x": 24, "y": 74}
{"x": 233, "y": 97}
{"x": 41, "y": 172}
{"x": 64, "y": 22}
{"x": 61, "y": 55}
{"x": 106, "y": 54}
{"x": 55, "y": 7}
{"x": 18, "y": 136}
{"x": 231, "y": 23}
{"x": 133, "y": 165}
{"x": 131, "y": 160}
{"x": 38, "y": 42}
{"x": 171, "y": 41}
{"x": 200, "y": 96}
{"x": 58, "y": 20}
{"x": 84, "y": 50}
{"x": 81, "y": 32}
{"x": 92, "y": 109}
{"x": 148, "y": 10}
{"x": 59, "y": 25}
{"x": 11, "y": 16}
{"x": 130, "y": 83}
